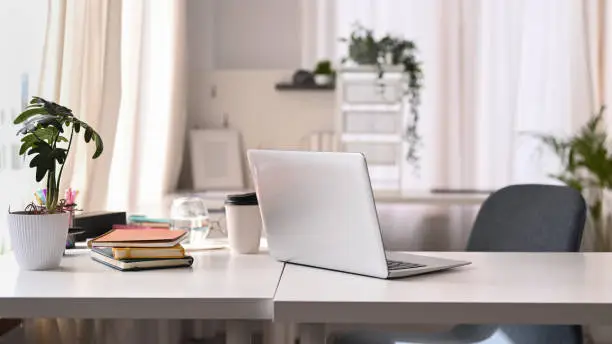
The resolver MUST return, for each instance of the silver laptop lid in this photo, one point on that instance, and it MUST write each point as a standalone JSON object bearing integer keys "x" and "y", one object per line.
{"x": 318, "y": 210}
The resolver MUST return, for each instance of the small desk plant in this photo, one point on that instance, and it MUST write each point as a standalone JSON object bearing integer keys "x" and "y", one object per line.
{"x": 324, "y": 73}
{"x": 38, "y": 234}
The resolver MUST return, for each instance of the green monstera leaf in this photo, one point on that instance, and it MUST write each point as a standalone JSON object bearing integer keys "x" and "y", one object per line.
{"x": 46, "y": 158}
{"x": 47, "y": 130}
{"x": 90, "y": 134}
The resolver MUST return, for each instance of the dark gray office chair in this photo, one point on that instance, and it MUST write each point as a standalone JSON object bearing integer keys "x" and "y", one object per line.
{"x": 517, "y": 218}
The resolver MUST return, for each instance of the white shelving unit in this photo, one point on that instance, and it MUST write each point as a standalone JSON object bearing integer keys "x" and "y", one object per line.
{"x": 370, "y": 118}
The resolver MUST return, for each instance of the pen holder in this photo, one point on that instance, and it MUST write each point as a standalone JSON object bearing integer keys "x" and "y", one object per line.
{"x": 244, "y": 225}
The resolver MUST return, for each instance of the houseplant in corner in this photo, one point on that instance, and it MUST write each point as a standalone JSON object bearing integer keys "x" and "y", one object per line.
{"x": 323, "y": 73}
{"x": 38, "y": 234}
{"x": 586, "y": 165}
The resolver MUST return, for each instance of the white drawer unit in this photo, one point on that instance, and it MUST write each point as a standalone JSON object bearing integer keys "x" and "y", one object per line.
{"x": 370, "y": 119}
{"x": 376, "y": 122}
{"x": 368, "y": 92}
{"x": 383, "y": 153}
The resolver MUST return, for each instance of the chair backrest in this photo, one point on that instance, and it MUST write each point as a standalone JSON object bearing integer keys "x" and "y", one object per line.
{"x": 530, "y": 218}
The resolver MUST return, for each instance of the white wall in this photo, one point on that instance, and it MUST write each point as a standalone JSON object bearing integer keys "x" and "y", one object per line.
{"x": 261, "y": 34}
{"x": 225, "y": 35}
{"x": 266, "y": 117}
{"x": 237, "y": 51}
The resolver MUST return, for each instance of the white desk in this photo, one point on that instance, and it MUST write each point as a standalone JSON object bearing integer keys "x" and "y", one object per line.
{"x": 537, "y": 288}
{"x": 218, "y": 286}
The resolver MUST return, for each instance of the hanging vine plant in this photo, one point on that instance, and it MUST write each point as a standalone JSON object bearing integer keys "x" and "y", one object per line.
{"x": 365, "y": 49}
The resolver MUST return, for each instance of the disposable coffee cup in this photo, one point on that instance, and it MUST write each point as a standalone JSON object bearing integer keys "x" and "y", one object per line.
{"x": 244, "y": 225}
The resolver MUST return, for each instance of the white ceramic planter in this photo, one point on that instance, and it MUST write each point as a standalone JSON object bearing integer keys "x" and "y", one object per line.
{"x": 322, "y": 79}
{"x": 38, "y": 241}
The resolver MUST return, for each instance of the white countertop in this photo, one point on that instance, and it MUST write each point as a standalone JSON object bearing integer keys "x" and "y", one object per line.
{"x": 553, "y": 288}
{"x": 218, "y": 286}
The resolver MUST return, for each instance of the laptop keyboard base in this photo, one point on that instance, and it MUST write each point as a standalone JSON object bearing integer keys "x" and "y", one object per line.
{"x": 397, "y": 265}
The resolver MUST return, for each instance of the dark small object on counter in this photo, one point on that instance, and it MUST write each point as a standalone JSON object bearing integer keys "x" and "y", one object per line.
{"x": 97, "y": 223}
{"x": 242, "y": 199}
{"x": 303, "y": 77}
{"x": 72, "y": 235}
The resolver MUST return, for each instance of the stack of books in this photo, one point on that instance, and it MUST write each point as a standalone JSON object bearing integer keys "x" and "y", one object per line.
{"x": 140, "y": 249}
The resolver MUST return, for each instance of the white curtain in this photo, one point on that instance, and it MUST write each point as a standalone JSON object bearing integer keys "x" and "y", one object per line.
{"x": 153, "y": 116}
{"x": 119, "y": 66}
{"x": 494, "y": 71}
{"x": 81, "y": 70}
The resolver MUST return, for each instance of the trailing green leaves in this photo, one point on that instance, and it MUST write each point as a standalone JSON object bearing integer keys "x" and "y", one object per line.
{"x": 365, "y": 49}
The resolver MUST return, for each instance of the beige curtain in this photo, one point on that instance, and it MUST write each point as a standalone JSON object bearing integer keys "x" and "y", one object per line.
{"x": 120, "y": 67}
{"x": 150, "y": 133}
{"x": 81, "y": 70}
{"x": 594, "y": 40}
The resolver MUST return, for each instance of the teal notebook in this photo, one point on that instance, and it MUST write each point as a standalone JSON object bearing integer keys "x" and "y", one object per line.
{"x": 104, "y": 255}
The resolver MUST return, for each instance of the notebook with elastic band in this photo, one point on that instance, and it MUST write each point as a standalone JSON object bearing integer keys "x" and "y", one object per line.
{"x": 139, "y": 238}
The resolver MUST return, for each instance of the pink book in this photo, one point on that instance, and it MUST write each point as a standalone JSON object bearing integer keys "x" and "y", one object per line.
{"x": 138, "y": 238}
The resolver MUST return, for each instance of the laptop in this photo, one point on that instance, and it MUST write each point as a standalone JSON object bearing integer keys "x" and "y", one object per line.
{"x": 318, "y": 210}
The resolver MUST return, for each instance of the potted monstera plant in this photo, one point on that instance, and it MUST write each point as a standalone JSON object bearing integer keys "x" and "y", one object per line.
{"x": 38, "y": 233}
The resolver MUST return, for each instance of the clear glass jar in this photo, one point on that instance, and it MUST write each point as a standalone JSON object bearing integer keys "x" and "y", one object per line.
{"x": 190, "y": 214}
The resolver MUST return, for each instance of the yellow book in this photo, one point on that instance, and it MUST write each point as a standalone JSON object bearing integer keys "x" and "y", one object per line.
{"x": 148, "y": 252}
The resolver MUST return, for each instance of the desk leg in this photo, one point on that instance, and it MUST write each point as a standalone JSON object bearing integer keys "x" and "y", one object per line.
{"x": 237, "y": 332}
{"x": 312, "y": 333}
